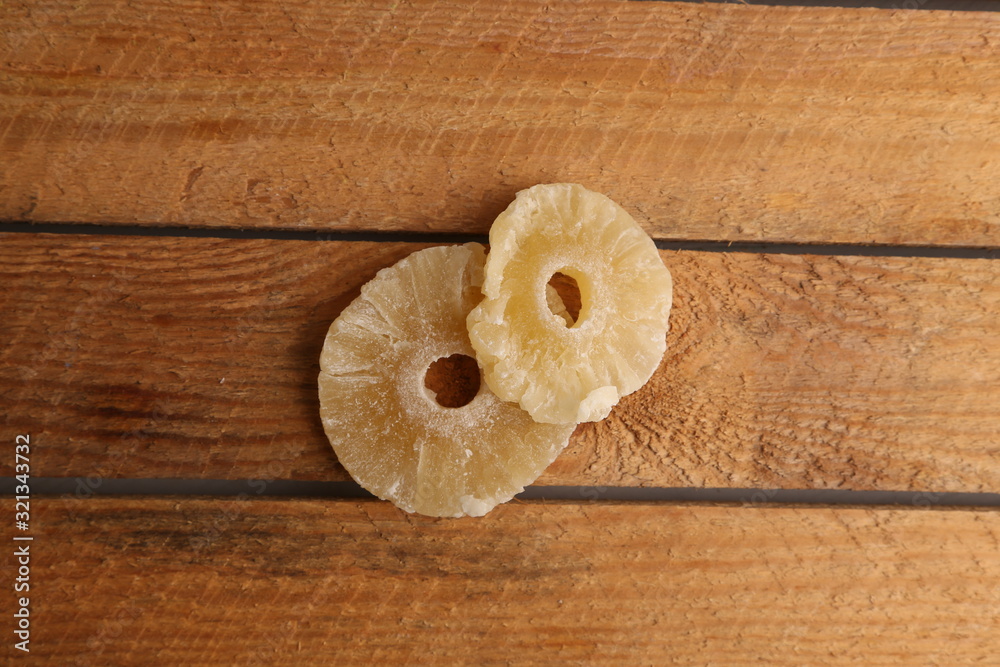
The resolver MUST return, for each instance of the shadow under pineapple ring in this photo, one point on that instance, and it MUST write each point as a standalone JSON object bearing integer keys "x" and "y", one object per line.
{"x": 388, "y": 429}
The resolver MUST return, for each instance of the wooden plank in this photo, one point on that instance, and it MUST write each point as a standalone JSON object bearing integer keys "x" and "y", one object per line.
{"x": 169, "y": 357}
{"x": 714, "y": 121}
{"x": 190, "y": 581}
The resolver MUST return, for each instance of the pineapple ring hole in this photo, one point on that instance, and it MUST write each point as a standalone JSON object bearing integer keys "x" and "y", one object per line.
{"x": 569, "y": 292}
{"x": 454, "y": 381}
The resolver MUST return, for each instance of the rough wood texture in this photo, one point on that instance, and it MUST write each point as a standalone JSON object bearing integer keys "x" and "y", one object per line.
{"x": 260, "y": 582}
{"x": 707, "y": 122}
{"x": 197, "y": 358}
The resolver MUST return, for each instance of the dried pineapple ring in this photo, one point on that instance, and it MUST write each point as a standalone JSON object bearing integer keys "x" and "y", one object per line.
{"x": 576, "y": 373}
{"x": 388, "y": 430}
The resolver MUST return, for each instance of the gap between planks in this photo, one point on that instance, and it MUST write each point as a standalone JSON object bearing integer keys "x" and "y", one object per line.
{"x": 86, "y": 487}
{"x": 905, "y": 5}
{"x": 700, "y": 245}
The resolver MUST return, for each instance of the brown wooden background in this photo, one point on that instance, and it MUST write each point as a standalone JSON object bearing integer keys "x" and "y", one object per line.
{"x": 191, "y": 194}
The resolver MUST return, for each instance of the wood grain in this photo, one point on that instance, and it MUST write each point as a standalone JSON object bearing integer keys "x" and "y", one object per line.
{"x": 160, "y": 357}
{"x": 210, "y": 582}
{"x": 713, "y": 121}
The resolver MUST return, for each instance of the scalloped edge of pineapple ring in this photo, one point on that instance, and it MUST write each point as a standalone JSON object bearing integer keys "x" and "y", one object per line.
{"x": 558, "y": 371}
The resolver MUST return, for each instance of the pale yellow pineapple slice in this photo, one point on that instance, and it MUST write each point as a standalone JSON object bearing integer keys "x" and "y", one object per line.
{"x": 532, "y": 352}
{"x": 388, "y": 429}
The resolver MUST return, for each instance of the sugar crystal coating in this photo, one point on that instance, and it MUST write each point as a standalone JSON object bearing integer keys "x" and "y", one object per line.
{"x": 388, "y": 430}
{"x": 532, "y": 353}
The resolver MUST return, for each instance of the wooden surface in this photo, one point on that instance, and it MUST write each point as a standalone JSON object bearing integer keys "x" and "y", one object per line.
{"x": 714, "y": 121}
{"x": 135, "y": 356}
{"x": 197, "y": 358}
{"x": 208, "y": 581}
